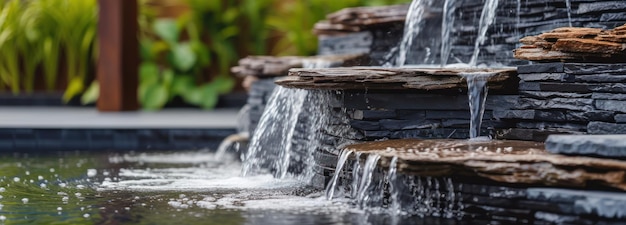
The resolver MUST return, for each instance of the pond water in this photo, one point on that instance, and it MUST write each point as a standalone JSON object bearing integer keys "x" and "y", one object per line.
{"x": 191, "y": 187}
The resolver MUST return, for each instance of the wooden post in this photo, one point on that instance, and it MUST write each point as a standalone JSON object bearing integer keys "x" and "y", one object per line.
{"x": 119, "y": 55}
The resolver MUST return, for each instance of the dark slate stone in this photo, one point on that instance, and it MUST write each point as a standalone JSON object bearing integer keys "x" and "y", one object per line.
{"x": 561, "y": 77}
{"x": 602, "y": 6}
{"x": 620, "y": 118}
{"x": 354, "y": 43}
{"x": 531, "y": 134}
{"x": 608, "y": 87}
{"x": 373, "y": 114}
{"x": 591, "y": 68}
{"x": 413, "y": 101}
{"x": 515, "y": 114}
{"x": 411, "y": 114}
{"x": 541, "y": 68}
{"x": 579, "y": 104}
{"x": 611, "y": 105}
{"x": 557, "y": 87}
{"x": 463, "y": 114}
{"x": 589, "y": 145}
{"x": 607, "y": 96}
{"x": 621, "y": 16}
{"x": 606, "y": 128}
{"x": 552, "y": 125}
{"x": 600, "y": 78}
{"x": 603, "y": 204}
{"x": 365, "y": 125}
{"x": 549, "y": 95}
{"x": 389, "y": 124}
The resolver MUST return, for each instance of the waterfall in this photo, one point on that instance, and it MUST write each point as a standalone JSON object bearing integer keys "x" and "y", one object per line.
{"x": 449, "y": 9}
{"x": 412, "y": 28}
{"x": 487, "y": 18}
{"x": 332, "y": 186}
{"x": 568, "y": 4}
{"x": 477, "y": 91}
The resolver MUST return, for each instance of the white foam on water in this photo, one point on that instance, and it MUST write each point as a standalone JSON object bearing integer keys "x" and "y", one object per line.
{"x": 195, "y": 157}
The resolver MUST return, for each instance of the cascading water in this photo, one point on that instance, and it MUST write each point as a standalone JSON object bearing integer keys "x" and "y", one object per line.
{"x": 477, "y": 94}
{"x": 412, "y": 28}
{"x": 363, "y": 195}
{"x": 332, "y": 186}
{"x": 394, "y": 193}
{"x": 271, "y": 143}
{"x": 487, "y": 18}
{"x": 449, "y": 10}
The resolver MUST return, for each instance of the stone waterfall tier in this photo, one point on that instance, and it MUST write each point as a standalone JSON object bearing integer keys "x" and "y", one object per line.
{"x": 572, "y": 44}
{"x": 498, "y": 181}
{"x": 379, "y": 78}
{"x": 502, "y": 161}
{"x": 408, "y": 102}
{"x": 569, "y": 98}
{"x": 274, "y": 66}
{"x": 347, "y": 35}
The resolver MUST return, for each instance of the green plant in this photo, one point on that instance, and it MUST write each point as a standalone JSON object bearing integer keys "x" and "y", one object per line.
{"x": 36, "y": 33}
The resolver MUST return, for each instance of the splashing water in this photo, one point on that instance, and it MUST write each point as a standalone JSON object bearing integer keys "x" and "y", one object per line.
{"x": 332, "y": 186}
{"x": 477, "y": 91}
{"x": 270, "y": 145}
{"x": 356, "y": 176}
{"x": 487, "y": 18}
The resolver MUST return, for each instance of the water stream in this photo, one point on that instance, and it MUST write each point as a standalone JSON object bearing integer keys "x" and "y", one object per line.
{"x": 568, "y": 4}
{"x": 412, "y": 27}
{"x": 487, "y": 18}
{"x": 332, "y": 186}
{"x": 447, "y": 26}
{"x": 477, "y": 94}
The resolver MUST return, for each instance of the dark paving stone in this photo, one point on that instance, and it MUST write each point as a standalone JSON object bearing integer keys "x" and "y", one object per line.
{"x": 593, "y": 145}
{"x": 606, "y": 128}
{"x": 598, "y": 203}
{"x": 611, "y": 105}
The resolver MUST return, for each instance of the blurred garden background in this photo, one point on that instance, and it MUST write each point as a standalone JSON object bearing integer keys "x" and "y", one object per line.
{"x": 187, "y": 47}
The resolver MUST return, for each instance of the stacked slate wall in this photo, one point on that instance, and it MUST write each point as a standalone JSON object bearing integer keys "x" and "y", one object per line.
{"x": 575, "y": 98}
{"x": 534, "y": 17}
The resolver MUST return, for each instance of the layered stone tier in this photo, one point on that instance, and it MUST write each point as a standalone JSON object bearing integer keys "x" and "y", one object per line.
{"x": 373, "y": 78}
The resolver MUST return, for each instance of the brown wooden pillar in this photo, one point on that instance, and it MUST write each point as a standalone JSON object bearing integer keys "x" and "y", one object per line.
{"x": 119, "y": 55}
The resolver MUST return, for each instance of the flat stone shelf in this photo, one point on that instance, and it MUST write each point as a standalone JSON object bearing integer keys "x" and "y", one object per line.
{"x": 274, "y": 66}
{"x": 516, "y": 162}
{"x": 381, "y": 78}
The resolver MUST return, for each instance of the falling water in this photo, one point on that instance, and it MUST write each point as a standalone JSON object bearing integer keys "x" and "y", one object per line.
{"x": 447, "y": 25}
{"x": 330, "y": 189}
{"x": 395, "y": 207}
{"x": 568, "y": 4}
{"x": 487, "y": 17}
{"x": 356, "y": 176}
{"x": 366, "y": 180}
{"x": 271, "y": 143}
{"x": 412, "y": 28}
{"x": 477, "y": 92}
